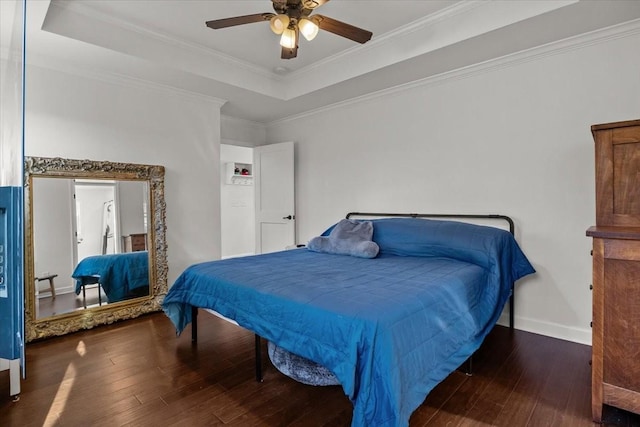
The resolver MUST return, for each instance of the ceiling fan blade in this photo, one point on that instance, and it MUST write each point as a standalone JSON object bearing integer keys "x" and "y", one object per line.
{"x": 238, "y": 20}
{"x": 288, "y": 53}
{"x": 343, "y": 29}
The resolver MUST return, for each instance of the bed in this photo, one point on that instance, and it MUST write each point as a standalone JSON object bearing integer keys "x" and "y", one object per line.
{"x": 121, "y": 276}
{"x": 390, "y": 328}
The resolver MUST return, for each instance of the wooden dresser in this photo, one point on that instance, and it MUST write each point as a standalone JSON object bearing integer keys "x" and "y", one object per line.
{"x": 135, "y": 242}
{"x": 616, "y": 268}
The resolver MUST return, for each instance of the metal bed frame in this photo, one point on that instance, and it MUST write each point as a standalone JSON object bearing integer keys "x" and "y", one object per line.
{"x": 468, "y": 363}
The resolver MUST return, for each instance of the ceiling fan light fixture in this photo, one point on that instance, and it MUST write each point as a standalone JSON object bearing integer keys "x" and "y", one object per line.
{"x": 308, "y": 28}
{"x": 279, "y": 23}
{"x": 288, "y": 38}
{"x": 292, "y": 18}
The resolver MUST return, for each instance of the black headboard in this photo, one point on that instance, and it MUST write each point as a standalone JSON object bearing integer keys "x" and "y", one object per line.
{"x": 452, "y": 216}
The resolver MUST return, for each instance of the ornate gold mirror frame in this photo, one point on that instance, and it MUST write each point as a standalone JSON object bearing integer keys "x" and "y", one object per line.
{"x": 36, "y": 328}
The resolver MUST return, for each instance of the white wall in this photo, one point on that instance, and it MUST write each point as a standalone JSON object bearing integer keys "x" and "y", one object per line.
{"x": 234, "y": 131}
{"x": 76, "y": 117}
{"x": 511, "y": 139}
{"x": 237, "y": 206}
{"x": 132, "y": 198}
{"x": 52, "y": 232}
{"x": 11, "y": 85}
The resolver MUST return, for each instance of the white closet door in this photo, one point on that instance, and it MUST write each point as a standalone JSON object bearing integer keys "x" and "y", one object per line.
{"x": 274, "y": 192}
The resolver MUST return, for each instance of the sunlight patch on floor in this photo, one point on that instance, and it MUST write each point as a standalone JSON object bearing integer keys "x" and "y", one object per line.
{"x": 61, "y": 397}
{"x": 81, "y": 349}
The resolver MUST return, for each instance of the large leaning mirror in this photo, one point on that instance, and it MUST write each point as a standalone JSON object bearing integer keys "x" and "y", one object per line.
{"x": 95, "y": 245}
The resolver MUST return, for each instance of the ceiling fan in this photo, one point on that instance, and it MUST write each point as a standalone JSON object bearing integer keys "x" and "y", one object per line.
{"x": 293, "y": 17}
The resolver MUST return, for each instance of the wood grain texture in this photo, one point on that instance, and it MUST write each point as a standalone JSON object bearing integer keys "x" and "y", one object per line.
{"x": 622, "y": 323}
{"x": 597, "y": 332}
{"x": 614, "y": 125}
{"x": 139, "y": 373}
{"x": 622, "y": 398}
{"x": 617, "y": 165}
{"x": 604, "y": 178}
{"x": 626, "y": 134}
{"x": 626, "y": 177}
{"x": 616, "y": 324}
{"x": 616, "y": 268}
{"x": 628, "y": 250}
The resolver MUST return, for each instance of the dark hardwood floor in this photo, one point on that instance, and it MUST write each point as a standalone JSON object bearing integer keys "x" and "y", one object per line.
{"x": 67, "y": 302}
{"x": 139, "y": 373}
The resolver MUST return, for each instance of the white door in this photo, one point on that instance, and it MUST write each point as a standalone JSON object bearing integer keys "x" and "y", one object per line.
{"x": 96, "y": 222}
{"x": 274, "y": 193}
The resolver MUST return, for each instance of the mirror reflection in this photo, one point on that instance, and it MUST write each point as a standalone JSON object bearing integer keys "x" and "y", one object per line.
{"x": 95, "y": 243}
{"x": 90, "y": 241}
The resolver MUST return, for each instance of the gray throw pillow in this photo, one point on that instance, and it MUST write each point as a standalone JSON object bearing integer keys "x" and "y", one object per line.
{"x": 348, "y": 237}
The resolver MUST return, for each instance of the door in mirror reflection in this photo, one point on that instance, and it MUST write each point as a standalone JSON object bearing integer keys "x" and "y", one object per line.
{"x": 96, "y": 219}
{"x": 90, "y": 243}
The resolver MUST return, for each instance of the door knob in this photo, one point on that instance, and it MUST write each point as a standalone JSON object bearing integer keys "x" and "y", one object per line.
{"x": 287, "y": 217}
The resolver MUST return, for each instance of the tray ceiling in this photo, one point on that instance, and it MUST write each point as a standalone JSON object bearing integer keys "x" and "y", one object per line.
{"x": 166, "y": 43}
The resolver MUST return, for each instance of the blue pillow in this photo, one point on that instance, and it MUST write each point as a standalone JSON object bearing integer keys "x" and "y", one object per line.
{"x": 426, "y": 237}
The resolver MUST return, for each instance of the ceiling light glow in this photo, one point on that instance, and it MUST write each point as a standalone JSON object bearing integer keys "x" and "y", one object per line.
{"x": 279, "y": 23}
{"x": 308, "y": 28}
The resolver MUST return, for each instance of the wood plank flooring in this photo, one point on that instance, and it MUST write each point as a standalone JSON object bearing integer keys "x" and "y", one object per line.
{"x": 67, "y": 302}
{"x": 138, "y": 373}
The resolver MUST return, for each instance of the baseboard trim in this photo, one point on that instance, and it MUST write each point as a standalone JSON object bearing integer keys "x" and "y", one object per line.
{"x": 549, "y": 329}
{"x": 46, "y": 292}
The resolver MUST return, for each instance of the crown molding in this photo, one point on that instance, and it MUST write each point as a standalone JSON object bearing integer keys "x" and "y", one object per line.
{"x": 153, "y": 46}
{"x": 83, "y": 8}
{"x": 417, "y": 25}
{"x": 457, "y": 23}
{"x": 627, "y": 29}
{"x": 471, "y": 16}
{"x": 253, "y": 133}
{"x": 243, "y": 122}
{"x": 238, "y": 143}
{"x": 46, "y": 62}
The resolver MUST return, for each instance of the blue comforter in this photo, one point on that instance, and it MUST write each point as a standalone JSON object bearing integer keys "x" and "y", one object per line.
{"x": 121, "y": 275}
{"x": 390, "y": 328}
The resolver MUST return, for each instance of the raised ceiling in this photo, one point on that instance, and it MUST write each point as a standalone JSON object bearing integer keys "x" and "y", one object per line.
{"x": 166, "y": 43}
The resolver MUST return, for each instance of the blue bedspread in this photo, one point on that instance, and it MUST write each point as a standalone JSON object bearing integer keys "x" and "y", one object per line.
{"x": 390, "y": 328}
{"x": 121, "y": 275}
